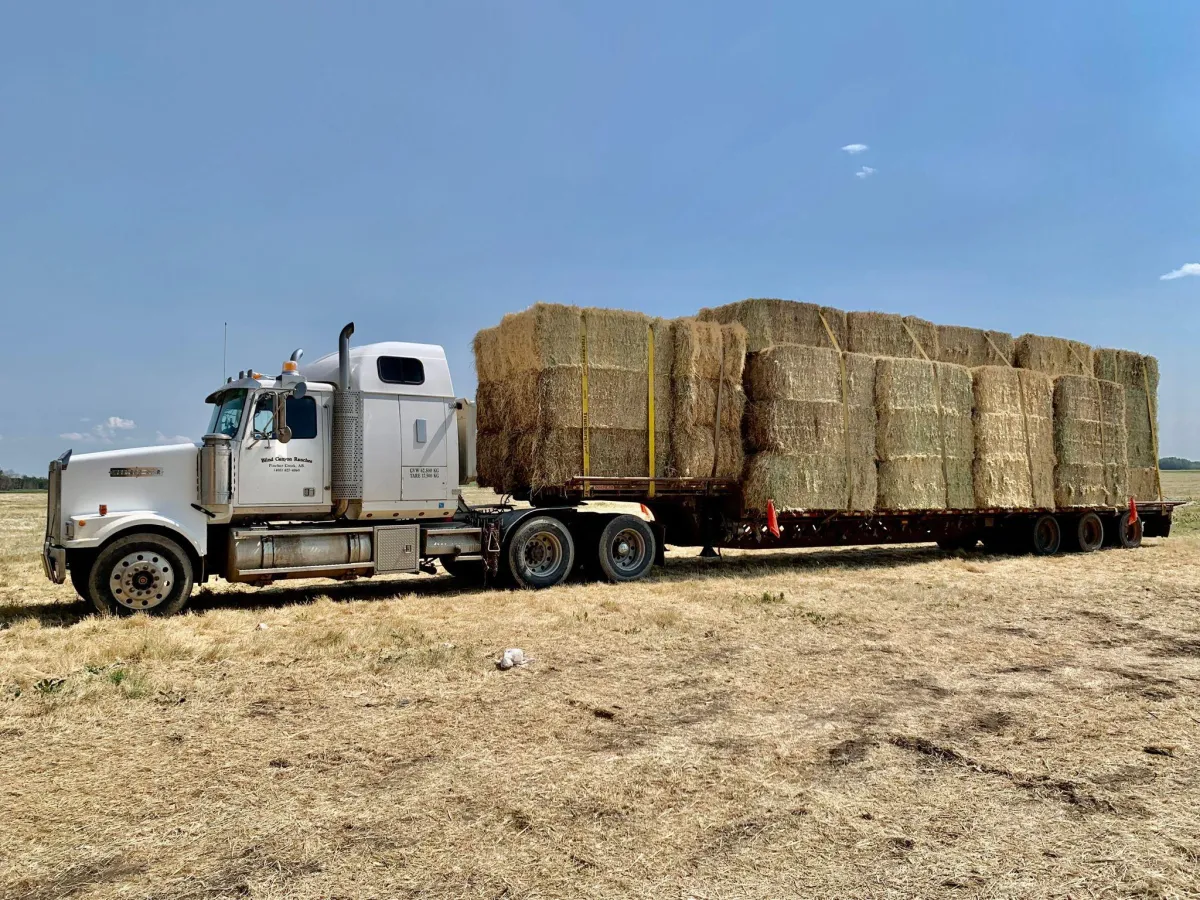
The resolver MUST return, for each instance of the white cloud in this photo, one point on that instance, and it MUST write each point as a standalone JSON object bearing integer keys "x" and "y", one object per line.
{"x": 853, "y": 149}
{"x": 102, "y": 433}
{"x": 864, "y": 172}
{"x": 1182, "y": 272}
{"x": 160, "y": 438}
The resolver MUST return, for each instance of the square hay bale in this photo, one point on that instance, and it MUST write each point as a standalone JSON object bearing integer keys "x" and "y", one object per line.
{"x": 972, "y": 347}
{"x": 925, "y": 438}
{"x": 1089, "y": 442}
{"x": 1054, "y": 356}
{"x": 1014, "y": 438}
{"x": 816, "y": 453}
{"x": 706, "y": 377}
{"x": 887, "y": 334}
{"x": 1136, "y": 373}
{"x": 769, "y": 322}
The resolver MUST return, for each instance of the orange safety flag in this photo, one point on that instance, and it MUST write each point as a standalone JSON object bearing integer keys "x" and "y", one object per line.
{"x": 772, "y": 519}
{"x": 1133, "y": 516}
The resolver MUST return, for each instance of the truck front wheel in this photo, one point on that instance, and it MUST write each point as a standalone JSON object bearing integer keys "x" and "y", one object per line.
{"x": 145, "y": 573}
{"x": 541, "y": 552}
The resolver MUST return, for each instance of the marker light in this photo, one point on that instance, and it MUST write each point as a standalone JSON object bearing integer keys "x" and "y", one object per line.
{"x": 290, "y": 367}
{"x": 104, "y": 509}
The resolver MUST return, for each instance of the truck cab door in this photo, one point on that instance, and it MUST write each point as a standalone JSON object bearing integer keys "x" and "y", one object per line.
{"x": 425, "y": 448}
{"x": 274, "y": 474}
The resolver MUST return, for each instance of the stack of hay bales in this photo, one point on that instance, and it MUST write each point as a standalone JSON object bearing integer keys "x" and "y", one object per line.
{"x": 1089, "y": 441}
{"x": 530, "y": 417}
{"x": 811, "y": 429}
{"x": 1054, "y": 356}
{"x": 1014, "y": 438}
{"x": 973, "y": 347}
{"x": 708, "y": 400}
{"x": 887, "y": 334}
{"x": 1138, "y": 374}
{"x": 772, "y": 322}
{"x": 925, "y": 438}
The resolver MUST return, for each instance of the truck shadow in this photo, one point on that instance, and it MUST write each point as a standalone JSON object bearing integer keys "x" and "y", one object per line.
{"x": 678, "y": 568}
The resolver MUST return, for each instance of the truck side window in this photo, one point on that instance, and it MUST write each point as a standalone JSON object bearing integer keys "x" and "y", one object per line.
{"x": 401, "y": 370}
{"x": 302, "y": 418}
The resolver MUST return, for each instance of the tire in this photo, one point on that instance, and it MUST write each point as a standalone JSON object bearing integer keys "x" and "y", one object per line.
{"x": 1089, "y": 533}
{"x": 466, "y": 569}
{"x": 540, "y": 553}
{"x": 626, "y": 549}
{"x": 1126, "y": 534}
{"x": 140, "y": 573}
{"x": 1045, "y": 538}
{"x": 79, "y": 568}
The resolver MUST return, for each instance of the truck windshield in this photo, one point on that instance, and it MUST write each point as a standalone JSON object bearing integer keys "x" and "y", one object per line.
{"x": 227, "y": 416}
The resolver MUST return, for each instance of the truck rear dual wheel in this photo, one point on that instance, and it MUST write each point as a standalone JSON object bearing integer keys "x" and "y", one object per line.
{"x": 541, "y": 553}
{"x": 627, "y": 549}
{"x": 145, "y": 573}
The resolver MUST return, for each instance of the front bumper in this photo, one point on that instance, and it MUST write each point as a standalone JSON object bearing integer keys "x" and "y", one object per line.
{"x": 54, "y": 561}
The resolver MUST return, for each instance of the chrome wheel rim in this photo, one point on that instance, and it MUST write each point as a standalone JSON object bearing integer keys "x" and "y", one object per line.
{"x": 142, "y": 579}
{"x": 542, "y": 554}
{"x": 627, "y": 551}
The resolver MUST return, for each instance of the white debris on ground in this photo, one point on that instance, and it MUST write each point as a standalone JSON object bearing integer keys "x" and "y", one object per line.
{"x": 262, "y": 626}
{"x": 513, "y": 656}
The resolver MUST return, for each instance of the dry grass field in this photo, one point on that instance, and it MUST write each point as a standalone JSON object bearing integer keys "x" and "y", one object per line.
{"x": 844, "y": 723}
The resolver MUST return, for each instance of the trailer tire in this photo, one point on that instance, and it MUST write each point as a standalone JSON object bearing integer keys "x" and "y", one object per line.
{"x": 540, "y": 553}
{"x": 1089, "y": 533}
{"x": 140, "y": 573}
{"x": 1127, "y": 535}
{"x": 626, "y": 550}
{"x": 1045, "y": 538}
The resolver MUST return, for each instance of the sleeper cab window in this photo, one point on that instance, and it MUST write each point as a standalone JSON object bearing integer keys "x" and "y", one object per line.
{"x": 401, "y": 370}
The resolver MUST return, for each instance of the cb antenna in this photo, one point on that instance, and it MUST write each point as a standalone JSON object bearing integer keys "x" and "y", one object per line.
{"x": 225, "y": 352}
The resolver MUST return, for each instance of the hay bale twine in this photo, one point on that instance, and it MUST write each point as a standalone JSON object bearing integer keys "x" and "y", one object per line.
{"x": 973, "y": 347}
{"x": 1014, "y": 438}
{"x": 797, "y": 419}
{"x": 1054, "y": 356}
{"x": 1089, "y": 442}
{"x": 769, "y": 322}
{"x": 1135, "y": 372}
{"x": 887, "y": 334}
{"x": 925, "y": 437}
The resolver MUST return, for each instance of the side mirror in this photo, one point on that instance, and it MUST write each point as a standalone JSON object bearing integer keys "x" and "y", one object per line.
{"x": 300, "y": 391}
{"x": 283, "y": 434}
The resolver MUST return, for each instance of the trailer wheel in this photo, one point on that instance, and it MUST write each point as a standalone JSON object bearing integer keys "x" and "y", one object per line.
{"x": 1127, "y": 534}
{"x": 626, "y": 549}
{"x": 1089, "y": 533}
{"x": 1046, "y": 537}
{"x": 145, "y": 573}
{"x": 541, "y": 552}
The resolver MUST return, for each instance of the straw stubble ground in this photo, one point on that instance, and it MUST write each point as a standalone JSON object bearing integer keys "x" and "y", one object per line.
{"x": 837, "y": 723}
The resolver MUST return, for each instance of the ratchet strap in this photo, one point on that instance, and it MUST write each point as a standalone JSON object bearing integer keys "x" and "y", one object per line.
{"x": 584, "y": 423}
{"x": 1153, "y": 430}
{"x": 720, "y": 398}
{"x": 845, "y": 412}
{"x": 650, "y": 404}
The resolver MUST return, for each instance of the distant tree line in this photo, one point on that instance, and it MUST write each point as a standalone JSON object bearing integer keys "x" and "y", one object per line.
{"x": 11, "y": 481}
{"x": 1177, "y": 462}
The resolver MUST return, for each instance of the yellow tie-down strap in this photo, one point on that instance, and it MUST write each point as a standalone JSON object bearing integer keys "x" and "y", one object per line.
{"x": 584, "y": 423}
{"x": 650, "y": 403}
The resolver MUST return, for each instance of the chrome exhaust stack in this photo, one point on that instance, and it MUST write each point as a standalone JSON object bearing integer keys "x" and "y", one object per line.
{"x": 346, "y": 464}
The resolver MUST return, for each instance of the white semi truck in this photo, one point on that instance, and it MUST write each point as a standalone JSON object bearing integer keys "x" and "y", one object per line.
{"x": 354, "y": 467}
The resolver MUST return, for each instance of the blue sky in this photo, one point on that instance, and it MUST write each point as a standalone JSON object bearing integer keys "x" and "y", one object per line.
{"x": 424, "y": 168}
